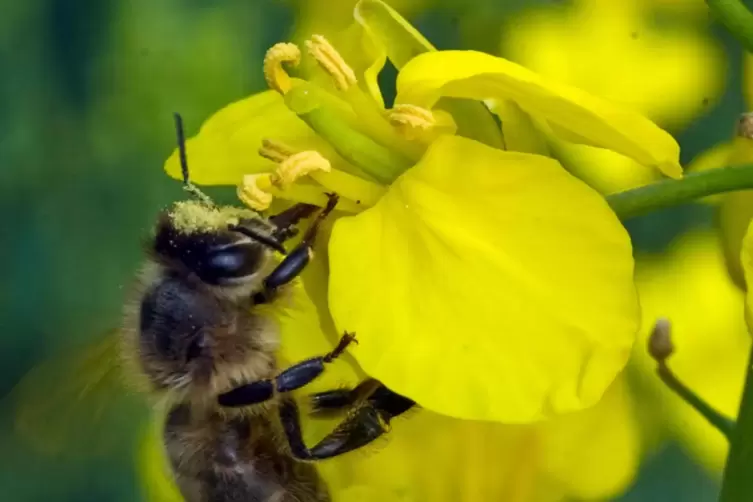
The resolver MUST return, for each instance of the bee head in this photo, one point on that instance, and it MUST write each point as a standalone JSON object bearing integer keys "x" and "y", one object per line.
{"x": 205, "y": 241}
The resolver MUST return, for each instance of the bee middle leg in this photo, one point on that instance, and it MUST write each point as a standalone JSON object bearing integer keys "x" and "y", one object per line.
{"x": 368, "y": 419}
{"x": 291, "y": 378}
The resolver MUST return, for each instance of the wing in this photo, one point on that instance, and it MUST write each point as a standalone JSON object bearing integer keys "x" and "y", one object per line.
{"x": 79, "y": 405}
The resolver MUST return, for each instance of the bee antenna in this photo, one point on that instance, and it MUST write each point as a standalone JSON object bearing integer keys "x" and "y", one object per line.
{"x": 187, "y": 185}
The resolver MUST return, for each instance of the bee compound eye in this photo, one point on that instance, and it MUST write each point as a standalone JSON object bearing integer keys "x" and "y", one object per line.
{"x": 230, "y": 262}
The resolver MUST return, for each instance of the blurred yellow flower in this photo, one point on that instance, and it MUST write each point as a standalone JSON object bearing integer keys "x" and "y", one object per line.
{"x": 466, "y": 320}
{"x": 735, "y": 209}
{"x": 614, "y": 50}
{"x": 691, "y": 287}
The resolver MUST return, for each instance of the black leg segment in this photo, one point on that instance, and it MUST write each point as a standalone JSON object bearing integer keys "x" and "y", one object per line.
{"x": 296, "y": 260}
{"x": 372, "y": 406}
{"x": 287, "y": 220}
{"x": 362, "y": 426}
{"x": 291, "y": 378}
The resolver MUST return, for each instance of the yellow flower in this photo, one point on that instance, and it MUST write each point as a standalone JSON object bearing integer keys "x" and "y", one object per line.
{"x": 614, "y": 50}
{"x": 484, "y": 283}
{"x": 691, "y": 287}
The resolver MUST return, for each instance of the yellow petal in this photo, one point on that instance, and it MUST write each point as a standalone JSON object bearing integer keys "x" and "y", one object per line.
{"x": 227, "y": 145}
{"x": 594, "y": 454}
{"x": 304, "y": 333}
{"x": 573, "y": 114}
{"x": 487, "y": 285}
{"x": 153, "y": 466}
{"x": 427, "y": 456}
{"x": 691, "y": 287}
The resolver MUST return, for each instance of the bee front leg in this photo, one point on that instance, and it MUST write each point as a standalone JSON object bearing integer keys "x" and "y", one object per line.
{"x": 286, "y": 221}
{"x": 295, "y": 261}
{"x": 291, "y": 378}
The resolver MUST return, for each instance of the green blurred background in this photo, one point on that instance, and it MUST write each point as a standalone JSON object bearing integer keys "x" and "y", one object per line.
{"x": 87, "y": 88}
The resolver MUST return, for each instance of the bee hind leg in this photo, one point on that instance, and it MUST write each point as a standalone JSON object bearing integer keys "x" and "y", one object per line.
{"x": 372, "y": 406}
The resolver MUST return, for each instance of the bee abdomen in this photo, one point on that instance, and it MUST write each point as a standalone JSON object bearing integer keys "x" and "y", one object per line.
{"x": 221, "y": 459}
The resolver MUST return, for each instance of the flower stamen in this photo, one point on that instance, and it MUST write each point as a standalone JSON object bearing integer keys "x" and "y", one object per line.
{"x": 407, "y": 116}
{"x": 332, "y": 62}
{"x": 254, "y": 191}
{"x": 275, "y": 75}
{"x": 299, "y": 165}
{"x": 274, "y": 150}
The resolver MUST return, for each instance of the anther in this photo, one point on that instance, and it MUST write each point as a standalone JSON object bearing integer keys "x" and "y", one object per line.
{"x": 274, "y": 73}
{"x": 331, "y": 61}
{"x": 275, "y": 151}
{"x": 254, "y": 191}
{"x": 411, "y": 117}
{"x": 745, "y": 126}
{"x": 299, "y": 165}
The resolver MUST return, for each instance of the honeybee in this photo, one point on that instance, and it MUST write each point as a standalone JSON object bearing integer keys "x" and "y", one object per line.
{"x": 194, "y": 335}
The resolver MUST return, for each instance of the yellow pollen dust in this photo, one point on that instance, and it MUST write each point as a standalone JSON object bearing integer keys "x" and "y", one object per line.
{"x": 414, "y": 117}
{"x": 274, "y": 73}
{"x": 299, "y": 165}
{"x": 331, "y": 61}
{"x": 254, "y": 191}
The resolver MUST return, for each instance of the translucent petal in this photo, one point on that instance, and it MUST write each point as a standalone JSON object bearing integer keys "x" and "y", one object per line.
{"x": 519, "y": 130}
{"x": 573, "y": 114}
{"x": 227, "y": 145}
{"x": 402, "y": 42}
{"x": 487, "y": 285}
{"x": 604, "y": 170}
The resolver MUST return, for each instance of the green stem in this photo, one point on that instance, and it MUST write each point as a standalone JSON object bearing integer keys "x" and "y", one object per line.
{"x": 723, "y": 424}
{"x": 669, "y": 193}
{"x": 737, "y": 484}
{"x": 736, "y": 17}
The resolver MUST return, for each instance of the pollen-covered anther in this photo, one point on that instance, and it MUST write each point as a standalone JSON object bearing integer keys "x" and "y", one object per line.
{"x": 275, "y": 151}
{"x": 414, "y": 117}
{"x": 254, "y": 191}
{"x": 331, "y": 61}
{"x": 299, "y": 165}
{"x": 275, "y": 75}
